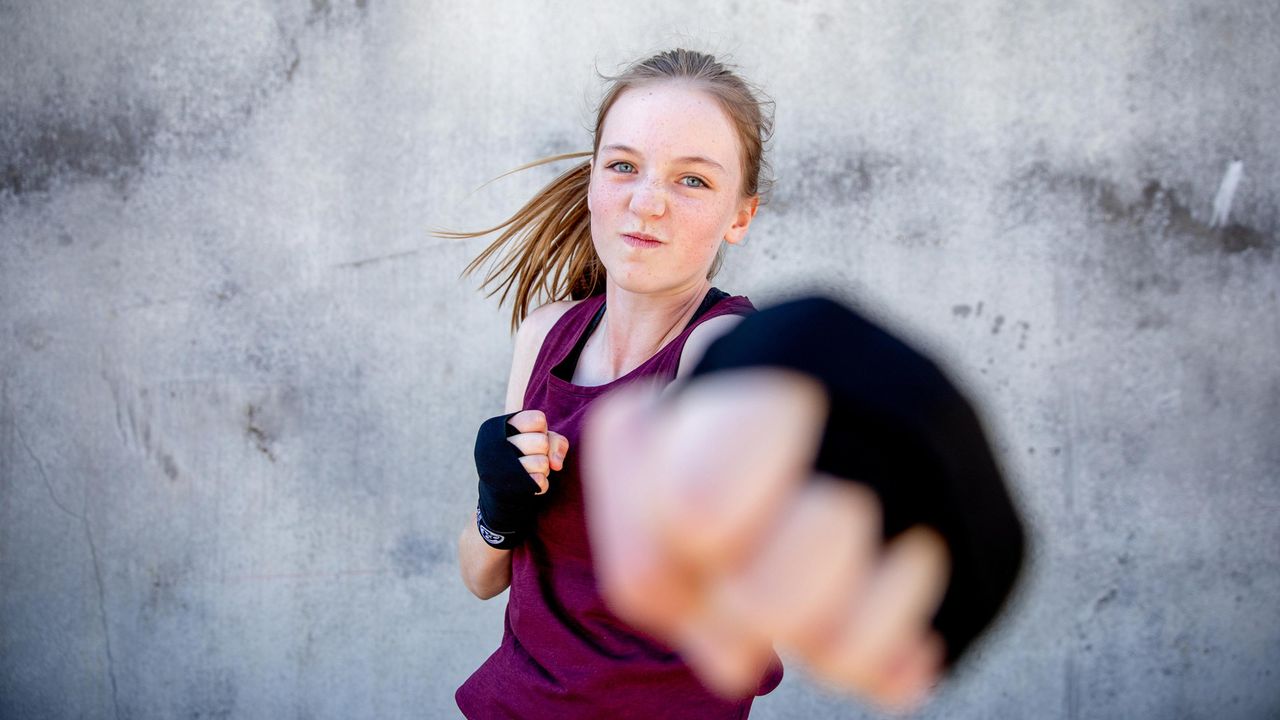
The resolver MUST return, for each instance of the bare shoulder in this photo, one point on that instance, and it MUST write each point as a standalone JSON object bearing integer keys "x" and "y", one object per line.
{"x": 533, "y": 330}
{"x": 529, "y": 337}
{"x": 701, "y": 338}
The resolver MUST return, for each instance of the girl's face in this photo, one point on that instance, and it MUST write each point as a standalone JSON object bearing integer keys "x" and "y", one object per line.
{"x": 668, "y": 167}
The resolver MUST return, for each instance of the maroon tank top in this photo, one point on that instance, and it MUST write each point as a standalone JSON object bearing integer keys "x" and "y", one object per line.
{"x": 564, "y": 655}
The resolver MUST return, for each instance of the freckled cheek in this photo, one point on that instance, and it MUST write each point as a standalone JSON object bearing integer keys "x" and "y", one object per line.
{"x": 700, "y": 221}
{"x": 604, "y": 198}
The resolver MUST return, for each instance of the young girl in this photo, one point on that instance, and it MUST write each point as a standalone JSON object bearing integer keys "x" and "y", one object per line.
{"x": 626, "y": 245}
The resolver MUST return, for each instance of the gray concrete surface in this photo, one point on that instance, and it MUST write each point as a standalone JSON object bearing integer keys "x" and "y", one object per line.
{"x": 238, "y": 378}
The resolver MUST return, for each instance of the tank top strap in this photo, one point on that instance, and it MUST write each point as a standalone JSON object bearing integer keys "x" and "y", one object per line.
{"x": 563, "y": 336}
{"x": 713, "y": 298}
{"x": 667, "y": 362}
{"x": 567, "y": 337}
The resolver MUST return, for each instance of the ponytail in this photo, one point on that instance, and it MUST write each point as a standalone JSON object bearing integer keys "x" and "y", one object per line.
{"x": 547, "y": 244}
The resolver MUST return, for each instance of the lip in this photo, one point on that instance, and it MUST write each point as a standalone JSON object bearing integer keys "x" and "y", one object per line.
{"x": 641, "y": 240}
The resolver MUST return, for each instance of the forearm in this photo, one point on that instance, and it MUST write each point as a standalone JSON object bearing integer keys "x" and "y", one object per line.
{"x": 486, "y": 570}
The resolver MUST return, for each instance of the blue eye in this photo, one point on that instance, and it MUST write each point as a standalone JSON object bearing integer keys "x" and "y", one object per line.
{"x": 698, "y": 180}
{"x": 616, "y": 166}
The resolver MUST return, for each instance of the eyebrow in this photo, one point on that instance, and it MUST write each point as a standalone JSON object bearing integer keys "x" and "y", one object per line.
{"x": 686, "y": 159}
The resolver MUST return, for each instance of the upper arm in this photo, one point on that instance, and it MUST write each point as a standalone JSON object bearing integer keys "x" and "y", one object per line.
{"x": 533, "y": 331}
{"x": 701, "y": 338}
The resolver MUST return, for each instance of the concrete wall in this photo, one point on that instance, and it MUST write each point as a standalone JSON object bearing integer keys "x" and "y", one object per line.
{"x": 238, "y": 378}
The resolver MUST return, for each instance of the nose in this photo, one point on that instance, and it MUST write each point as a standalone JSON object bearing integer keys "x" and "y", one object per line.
{"x": 648, "y": 199}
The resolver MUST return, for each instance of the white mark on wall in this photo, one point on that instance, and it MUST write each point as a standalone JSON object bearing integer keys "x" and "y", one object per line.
{"x": 1226, "y": 193}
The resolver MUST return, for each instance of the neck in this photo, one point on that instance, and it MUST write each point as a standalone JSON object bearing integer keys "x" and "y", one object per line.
{"x": 636, "y": 326}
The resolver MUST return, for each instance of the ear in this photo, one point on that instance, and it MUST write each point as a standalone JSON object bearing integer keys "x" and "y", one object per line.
{"x": 746, "y": 211}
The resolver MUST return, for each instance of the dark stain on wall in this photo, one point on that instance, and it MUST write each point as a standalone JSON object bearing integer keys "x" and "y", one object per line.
{"x": 1164, "y": 206}
{"x": 170, "y": 466}
{"x": 416, "y": 555}
{"x": 1131, "y": 252}
{"x": 262, "y": 438}
{"x": 110, "y": 147}
{"x": 1159, "y": 211}
{"x": 327, "y": 11}
{"x": 166, "y": 594}
{"x": 964, "y": 310}
{"x": 1156, "y": 282}
{"x": 111, "y": 135}
{"x": 32, "y": 334}
{"x": 824, "y": 180}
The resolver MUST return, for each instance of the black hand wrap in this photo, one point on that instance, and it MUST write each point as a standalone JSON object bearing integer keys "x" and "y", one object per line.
{"x": 897, "y": 424}
{"x": 508, "y": 499}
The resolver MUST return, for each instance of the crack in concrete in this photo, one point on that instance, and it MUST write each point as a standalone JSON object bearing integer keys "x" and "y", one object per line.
{"x": 102, "y": 617}
{"x": 377, "y": 258}
{"x": 17, "y": 430}
{"x": 115, "y": 398}
{"x": 93, "y": 554}
{"x": 160, "y": 302}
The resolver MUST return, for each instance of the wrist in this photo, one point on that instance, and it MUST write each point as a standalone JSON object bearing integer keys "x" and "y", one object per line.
{"x": 501, "y": 540}
{"x": 508, "y": 499}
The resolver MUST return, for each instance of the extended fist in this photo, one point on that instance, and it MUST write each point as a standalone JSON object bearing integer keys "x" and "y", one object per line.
{"x": 711, "y": 532}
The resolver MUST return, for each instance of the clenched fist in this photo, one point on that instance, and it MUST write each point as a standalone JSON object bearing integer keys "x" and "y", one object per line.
{"x": 542, "y": 450}
{"x": 711, "y": 531}
{"x": 515, "y": 455}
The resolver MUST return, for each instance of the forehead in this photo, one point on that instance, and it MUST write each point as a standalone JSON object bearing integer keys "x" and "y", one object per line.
{"x": 671, "y": 120}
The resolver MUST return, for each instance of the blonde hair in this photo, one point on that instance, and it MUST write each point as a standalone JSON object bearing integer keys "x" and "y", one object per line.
{"x": 548, "y": 241}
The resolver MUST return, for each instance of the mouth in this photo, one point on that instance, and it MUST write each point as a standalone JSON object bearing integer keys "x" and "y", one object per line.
{"x": 640, "y": 240}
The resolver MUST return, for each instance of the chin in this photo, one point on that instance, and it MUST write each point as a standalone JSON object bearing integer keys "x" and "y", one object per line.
{"x": 643, "y": 282}
{"x": 644, "y": 278}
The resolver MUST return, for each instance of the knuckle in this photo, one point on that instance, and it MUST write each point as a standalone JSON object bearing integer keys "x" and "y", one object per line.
{"x": 530, "y": 443}
{"x": 529, "y": 421}
{"x": 557, "y": 444}
{"x": 536, "y": 463}
{"x": 845, "y": 666}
